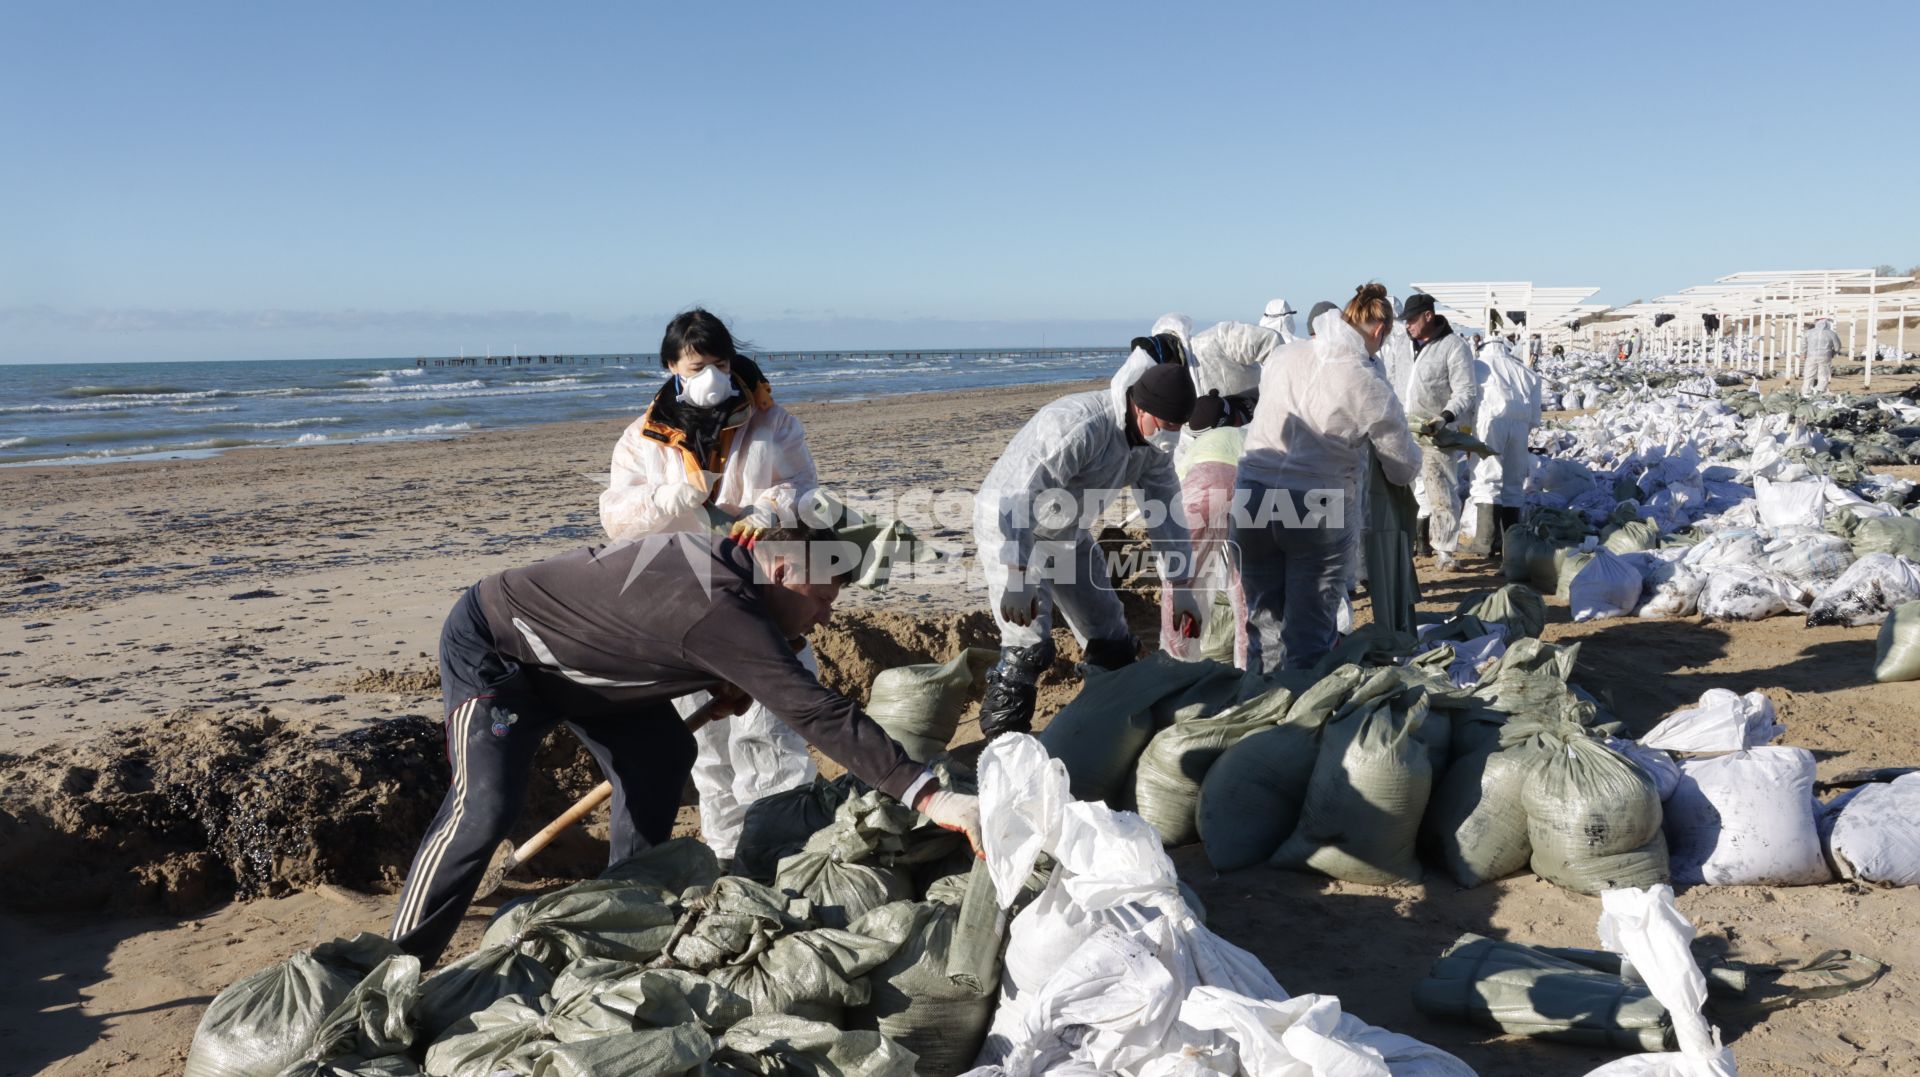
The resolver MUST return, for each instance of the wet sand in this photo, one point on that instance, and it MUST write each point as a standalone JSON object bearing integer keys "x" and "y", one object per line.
{"x": 308, "y": 585}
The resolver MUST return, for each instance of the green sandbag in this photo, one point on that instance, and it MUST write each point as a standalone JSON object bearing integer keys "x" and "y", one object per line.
{"x": 1104, "y": 729}
{"x": 1593, "y": 816}
{"x": 261, "y": 1023}
{"x": 1317, "y": 702}
{"x": 841, "y": 892}
{"x": 916, "y": 1000}
{"x": 779, "y": 1046}
{"x": 813, "y": 974}
{"x": 1167, "y": 781}
{"x": 1631, "y": 537}
{"x": 1524, "y": 992}
{"x": 651, "y": 1052}
{"x": 733, "y": 918}
{"x": 1567, "y": 563}
{"x": 778, "y": 826}
{"x": 371, "y": 1022}
{"x": 1364, "y": 802}
{"x": 1219, "y": 637}
{"x": 504, "y": 1036}
{"x": 1517, "y": 546}
{"x": 674, "y": 866}
{"x": 920, "y": 706}
{"x": 614, "y": 918}
{"x": 1897, "y": 535}
{"x": 1476, "y": 821}
{"x": 1251, "y": 797}
{"x": 1517, "y": 606}
{"x": 1403, "y": 687}
{"x": 474, "y": 983}
{"x": 1896, "y": 655}
{"x": 349, "y": 1066}
{"x": 1219, "y": 686}
{"x": 594, "y": 998}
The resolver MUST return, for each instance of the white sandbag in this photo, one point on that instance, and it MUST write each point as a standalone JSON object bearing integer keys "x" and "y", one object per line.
{"x": 1746, "y": 818}
{"x": 1720, "y": 722}
{"x": 1741, "y": 592}
{"x": 1896, "y": 651}
{"x": 1876, "y": 836}
{"x": 1310, "y": 1035}
{"x": 1606, "y": 587}
{"x": 1672, "y": 590}
{"x": 1791, "y": 504}
{"x": 1813, "y": 559}
{"x": 1644, "y": 928}
{"x": 1659, "y": 765}
{"x": 1865, "y": 593}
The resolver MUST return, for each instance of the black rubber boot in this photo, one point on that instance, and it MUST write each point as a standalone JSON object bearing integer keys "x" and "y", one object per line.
{"x": 1011, "y": 688}
{"x": 1112, "y": 653}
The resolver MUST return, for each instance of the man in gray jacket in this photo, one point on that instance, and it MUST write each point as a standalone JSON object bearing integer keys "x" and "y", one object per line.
{"x": 1441, "y": 391}
{"x": 1819, "y": 346}
{"x": 603, "y": 639}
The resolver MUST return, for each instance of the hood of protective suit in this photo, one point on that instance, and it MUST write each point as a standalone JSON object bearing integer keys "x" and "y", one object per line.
{"x": 1497, "y": 349}
{"x": 1139, "y": 361}
{"x": 1227, "y": 357}
{"x": 1279, "y": 317}
{"x": 1334, "y": 339}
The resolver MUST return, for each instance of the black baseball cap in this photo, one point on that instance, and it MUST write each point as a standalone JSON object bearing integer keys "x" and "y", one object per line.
{"x": 1417, "y": 304}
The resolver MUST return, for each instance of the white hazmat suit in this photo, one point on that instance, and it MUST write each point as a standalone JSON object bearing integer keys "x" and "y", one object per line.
{"x": 655, "y": 487}
{"x": 1033, "y": 520}
{"x": 1279, "y": 317}
{"x": 1441, "y": 382}
{"x": 1509, "y": 409}
{"x": 1820, "y": 346}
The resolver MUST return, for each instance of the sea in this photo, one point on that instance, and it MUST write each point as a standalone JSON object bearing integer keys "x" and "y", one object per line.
{"x": 85, "y": 413}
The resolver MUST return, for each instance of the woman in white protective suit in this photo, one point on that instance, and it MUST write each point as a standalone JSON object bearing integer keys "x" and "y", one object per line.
{"x": 1034, "y": 514}
{"x": 1323, "y": 403}
{"x": 1509, "y": 410}
{"x": 714, "y": 447}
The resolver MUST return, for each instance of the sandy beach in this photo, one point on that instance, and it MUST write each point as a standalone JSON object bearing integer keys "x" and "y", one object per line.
{"x": 266, "y": 596}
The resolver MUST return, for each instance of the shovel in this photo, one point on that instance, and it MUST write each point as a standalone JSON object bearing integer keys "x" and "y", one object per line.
{"x": 508, "y": 856}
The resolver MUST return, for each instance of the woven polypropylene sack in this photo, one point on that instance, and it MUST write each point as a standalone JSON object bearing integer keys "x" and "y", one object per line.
{"x": 778, "y": 826}
{"x": 1866, "y": 592}
{"x": 1476, "y": 820}
{"x": 1746, "y": 819}
{"x": 1517, "y": 606}
{"x": 1876, "y": 836}
{"x": 1361, "y": 816}
{"x": 1251, "y": 798}
{"x": 1100, "y": 734}
{"x": 920, "y": 706}
{"x": 1896, "y": 655}
{"x": 259, "y": 1024}
{"x": 916, "y": 1002}
{"x": 1593, "y": 818}
{"x": 1168, "y": 779}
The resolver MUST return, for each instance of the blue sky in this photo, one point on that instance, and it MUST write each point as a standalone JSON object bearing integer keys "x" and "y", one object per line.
{"x": 274, "y": 181}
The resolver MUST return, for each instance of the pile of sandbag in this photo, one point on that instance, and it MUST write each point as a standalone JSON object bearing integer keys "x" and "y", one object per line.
{"x": 1466, "y": 749}
{"x": 662, "y": 965}
{"x": 1109, "y": 969}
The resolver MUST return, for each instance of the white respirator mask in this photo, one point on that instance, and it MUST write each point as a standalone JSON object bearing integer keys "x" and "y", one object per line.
{"x": 1165, "y": 439}
{"x": 706, "y": 389}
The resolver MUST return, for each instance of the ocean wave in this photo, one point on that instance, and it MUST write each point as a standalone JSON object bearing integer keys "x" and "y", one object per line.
{"x": 8, "y": 443}
{"x": 311, "y": 420}
{"x": 453, "y": 392}
{"x": 309, "y": 439}
{"x": 205, "y": 410}
{"x": 123, "y": 390}
{"x": 422, "y": 431}
{"x": 386, "y": 384}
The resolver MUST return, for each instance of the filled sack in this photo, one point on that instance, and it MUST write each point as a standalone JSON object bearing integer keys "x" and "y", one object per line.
{"x": 1746, "y": 818}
